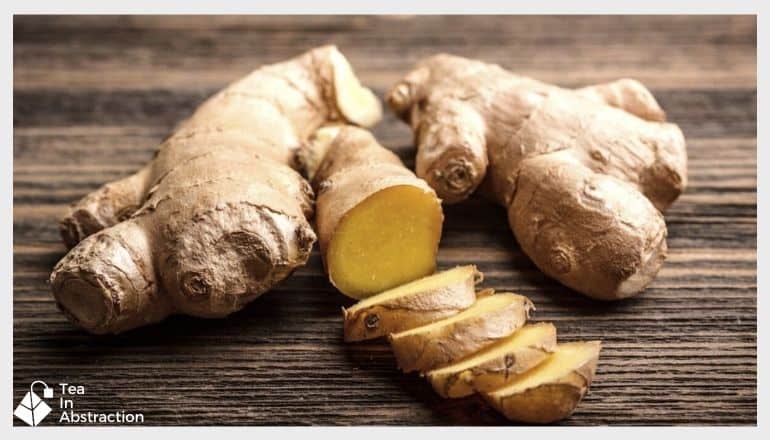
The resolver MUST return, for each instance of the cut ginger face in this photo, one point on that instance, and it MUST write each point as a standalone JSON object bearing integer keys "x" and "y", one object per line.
{"x": 387, "y": 240}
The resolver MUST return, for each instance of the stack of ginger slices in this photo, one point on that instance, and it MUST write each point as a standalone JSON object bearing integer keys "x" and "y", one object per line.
{"x": 467, "y": 342}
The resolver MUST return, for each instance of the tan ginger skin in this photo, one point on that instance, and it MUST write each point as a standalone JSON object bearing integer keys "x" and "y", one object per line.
{"x": 584, "y": 174}
{"x": 218, "y": 216}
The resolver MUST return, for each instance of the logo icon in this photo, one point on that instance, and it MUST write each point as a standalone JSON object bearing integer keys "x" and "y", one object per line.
{"x": 32, "y": 409}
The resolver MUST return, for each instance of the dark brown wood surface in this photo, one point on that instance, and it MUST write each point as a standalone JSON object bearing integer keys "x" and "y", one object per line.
{"x": 93, "y": 96}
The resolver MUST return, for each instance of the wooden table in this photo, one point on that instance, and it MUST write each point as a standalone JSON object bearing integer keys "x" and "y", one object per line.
{"x": 93, "y": 96}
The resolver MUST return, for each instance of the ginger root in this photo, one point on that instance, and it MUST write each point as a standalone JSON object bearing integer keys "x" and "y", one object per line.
{"x": 584, "y": 174}
{"x": 378, "y": 225}
{"x": 218, "y": 216}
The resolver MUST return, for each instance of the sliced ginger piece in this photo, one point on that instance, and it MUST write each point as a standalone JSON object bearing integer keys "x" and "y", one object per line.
{"x": 413, "y": 304}
{"x": 496, "y": 365}
{"x": 552, "y": 390}
{"x": 442, "y": 342}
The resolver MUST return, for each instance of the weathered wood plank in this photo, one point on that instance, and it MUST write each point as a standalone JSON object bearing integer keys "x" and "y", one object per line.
{"x": 663, "y": 51}
{"x": 701, "y": 113}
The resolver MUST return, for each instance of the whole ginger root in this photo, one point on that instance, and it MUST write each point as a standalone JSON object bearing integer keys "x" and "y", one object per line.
{"x": 584, "y": 174}
{"x": 219, "y": 216}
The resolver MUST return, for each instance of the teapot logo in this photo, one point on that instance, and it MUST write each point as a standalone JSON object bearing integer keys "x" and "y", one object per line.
{"x": 32, "y": 409}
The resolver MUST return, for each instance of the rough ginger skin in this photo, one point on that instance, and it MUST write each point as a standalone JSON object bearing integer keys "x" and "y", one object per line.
{"x": 218, "y": 216}
{"x": 584, "y": 174}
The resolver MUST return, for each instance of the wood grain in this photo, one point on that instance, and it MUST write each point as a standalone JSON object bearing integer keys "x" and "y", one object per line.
{"x": 93, "y": 96}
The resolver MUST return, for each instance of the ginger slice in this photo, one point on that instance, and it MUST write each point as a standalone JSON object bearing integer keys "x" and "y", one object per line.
{"x": 413, "y": 304}
{"x": 443, "y": 342}
{"x": 552, "y": 390}
{"x": 496, "y": 365}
